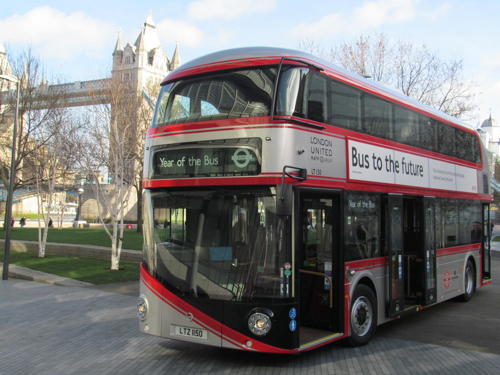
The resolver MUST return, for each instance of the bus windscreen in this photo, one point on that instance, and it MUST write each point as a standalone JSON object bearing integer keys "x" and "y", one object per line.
{"x": 221, "y": 244}
{"x": 239, "y": 93}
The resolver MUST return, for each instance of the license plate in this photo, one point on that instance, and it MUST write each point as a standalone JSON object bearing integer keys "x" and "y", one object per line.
{"x": 195, "y": 333}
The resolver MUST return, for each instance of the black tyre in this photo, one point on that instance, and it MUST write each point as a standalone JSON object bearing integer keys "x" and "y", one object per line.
{"x": 469, "y": 282}
{"x": 363, "y": 315}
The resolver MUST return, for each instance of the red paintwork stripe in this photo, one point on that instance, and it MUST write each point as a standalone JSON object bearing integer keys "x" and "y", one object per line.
{"x": 372, "y": 262}
{"x": 241, "y": 127}
{"x": 457, "y": 250}
{"x": 222, "y": 65}
{"x": 486, "y": 283}
{"x": 226, "y": 333}
{"x": 312, "y": 181}
{"x": 209, "y": 124}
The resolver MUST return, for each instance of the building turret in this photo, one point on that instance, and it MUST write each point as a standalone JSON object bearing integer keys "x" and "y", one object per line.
{"x": 490, "y": 135}
{"x": 176, "y": 58}
{"x": 118, "y": 52}
{"x": 145, "y": 61}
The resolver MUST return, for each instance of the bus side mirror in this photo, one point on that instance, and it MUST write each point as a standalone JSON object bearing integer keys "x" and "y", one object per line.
{"x": 284, "y": 200}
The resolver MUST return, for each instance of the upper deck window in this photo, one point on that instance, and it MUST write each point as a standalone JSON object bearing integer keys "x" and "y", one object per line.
{"x": 239, "y": 93}
{"x": 309, "y": 94}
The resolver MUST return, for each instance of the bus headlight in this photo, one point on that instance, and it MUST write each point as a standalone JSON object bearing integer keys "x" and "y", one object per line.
{"x": 142, "y": 307}
{"x": 259, "y": 323}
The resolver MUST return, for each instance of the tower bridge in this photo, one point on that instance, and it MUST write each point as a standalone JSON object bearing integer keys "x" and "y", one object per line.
{"x": 137, "y": 64}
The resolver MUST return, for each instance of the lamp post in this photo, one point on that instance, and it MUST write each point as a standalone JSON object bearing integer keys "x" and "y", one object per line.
{"x": 12, "y": 176}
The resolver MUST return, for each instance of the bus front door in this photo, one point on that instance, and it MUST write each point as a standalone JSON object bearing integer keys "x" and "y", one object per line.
{"x": 396, "y": 279}
{"x": 319, "y": 263}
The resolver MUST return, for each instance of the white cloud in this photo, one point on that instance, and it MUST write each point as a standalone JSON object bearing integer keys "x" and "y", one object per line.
{"x": 228, "y": 9}
{"x": 171, "y": 31}
{"x": 369, "y": 15}
{"x": 56, "y": 34}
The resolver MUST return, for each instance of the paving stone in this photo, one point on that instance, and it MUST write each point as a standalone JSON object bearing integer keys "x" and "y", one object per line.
{"x": 46, "y": 329}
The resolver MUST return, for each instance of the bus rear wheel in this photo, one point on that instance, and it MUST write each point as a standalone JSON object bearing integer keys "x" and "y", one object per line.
{"x": 363, "y": 315}
{"x": 469, "y": 282}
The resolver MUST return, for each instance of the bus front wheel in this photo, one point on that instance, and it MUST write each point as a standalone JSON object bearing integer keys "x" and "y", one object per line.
{"x": 363, "y": 315}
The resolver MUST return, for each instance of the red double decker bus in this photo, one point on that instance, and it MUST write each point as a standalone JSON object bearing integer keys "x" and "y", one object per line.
{"x": 289, "y": 203}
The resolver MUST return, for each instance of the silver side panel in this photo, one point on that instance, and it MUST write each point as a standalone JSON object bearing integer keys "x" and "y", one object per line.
{"x": 378, "y": 278}
{"x": 450, "y": 274}
{"x": 321, "y": 154}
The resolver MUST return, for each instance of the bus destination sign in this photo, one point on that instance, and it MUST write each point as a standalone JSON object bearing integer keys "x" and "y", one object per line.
{"x": 206, "y": 161}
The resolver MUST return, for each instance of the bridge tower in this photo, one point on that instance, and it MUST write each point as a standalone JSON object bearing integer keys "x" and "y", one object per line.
{"x": 143, "y": 63}
{"x": 138, "y": 68}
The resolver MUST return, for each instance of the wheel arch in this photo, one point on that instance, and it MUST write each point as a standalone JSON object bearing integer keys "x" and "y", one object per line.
{"x": 366, "y": 280}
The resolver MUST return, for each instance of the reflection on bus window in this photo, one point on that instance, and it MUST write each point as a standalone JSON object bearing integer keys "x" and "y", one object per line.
{"x": 221, "y": 244}
{"x": 362, "y": 226}
{"x": 240, "y": 93}
{"x": 317, "y": 233}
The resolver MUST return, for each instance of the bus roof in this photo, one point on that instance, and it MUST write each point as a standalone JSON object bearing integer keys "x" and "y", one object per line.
{"x": 241, "y": 57}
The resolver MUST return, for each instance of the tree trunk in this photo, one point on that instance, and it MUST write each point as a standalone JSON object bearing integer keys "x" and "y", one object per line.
{"x": 115, "y": 251}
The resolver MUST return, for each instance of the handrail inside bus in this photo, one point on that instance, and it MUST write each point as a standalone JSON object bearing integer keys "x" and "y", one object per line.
{"x": 321, "y": 274}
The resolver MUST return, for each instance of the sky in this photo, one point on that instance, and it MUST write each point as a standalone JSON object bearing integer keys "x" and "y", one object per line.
{"x": 75, "y": 39}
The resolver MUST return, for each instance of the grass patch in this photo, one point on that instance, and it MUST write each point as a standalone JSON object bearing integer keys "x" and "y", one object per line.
{"x": 496, "y": 239}
{"x": 95, "y": 271}
{"x": 88, "y": 236}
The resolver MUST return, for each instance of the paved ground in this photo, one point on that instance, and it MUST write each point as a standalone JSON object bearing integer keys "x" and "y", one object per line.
{"x": 47, "y": 329}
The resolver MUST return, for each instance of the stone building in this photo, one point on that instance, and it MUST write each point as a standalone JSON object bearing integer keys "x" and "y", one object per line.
{"x": 490, "y": 135}
{"x": 144, "y": 62}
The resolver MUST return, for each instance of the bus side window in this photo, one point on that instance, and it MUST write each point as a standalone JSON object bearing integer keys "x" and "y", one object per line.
{"x": 450, "y": 222}
{"x": 439, "y": 224}
{"x": 427, "y": 133}
{"x": 344, "y": 106}
{"x": 316, "y": 97}
{"x": 377, "y": 118}
{"x": 446, "y": 139}
{"x": 406, "y": 126}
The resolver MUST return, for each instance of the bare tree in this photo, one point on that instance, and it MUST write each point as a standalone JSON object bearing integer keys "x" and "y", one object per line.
{"x": 40, "y": 109}
{"x": 415, "y": 70}
{"x": 110, "y": 145}
{"x": 54, "y": 169}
